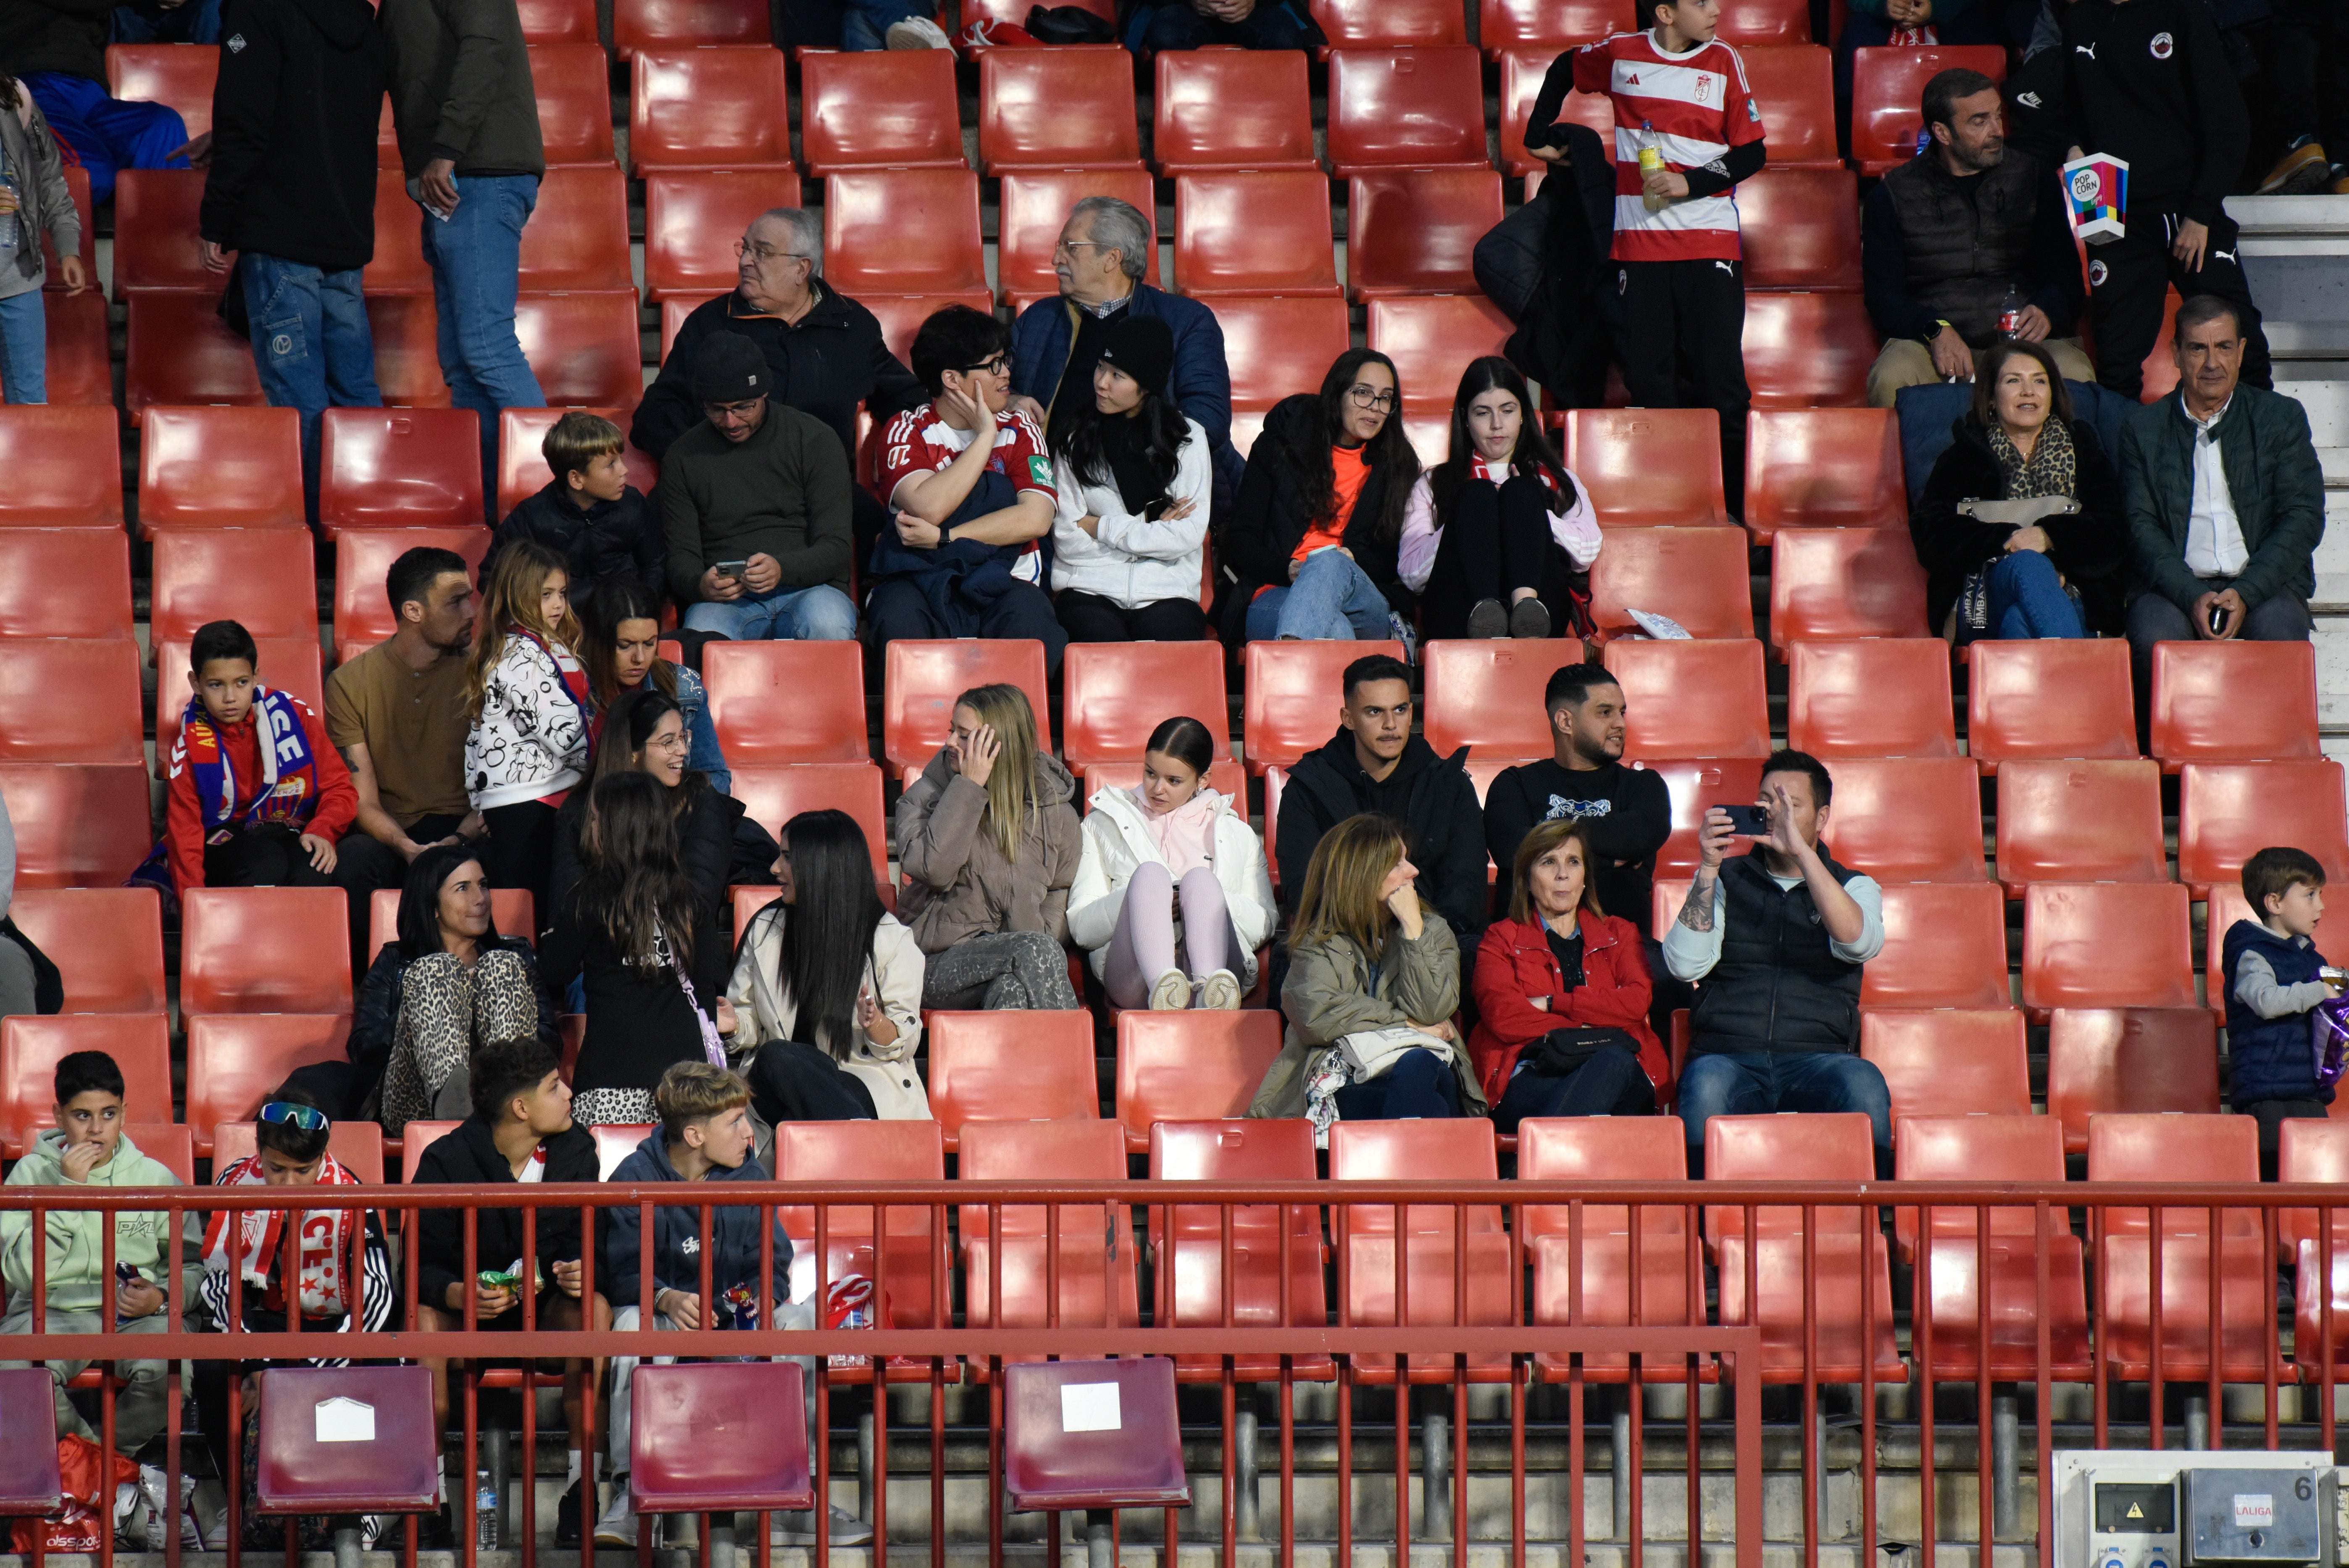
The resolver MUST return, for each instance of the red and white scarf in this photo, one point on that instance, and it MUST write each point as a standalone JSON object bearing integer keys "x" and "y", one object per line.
{"x": 325, "y": 1243}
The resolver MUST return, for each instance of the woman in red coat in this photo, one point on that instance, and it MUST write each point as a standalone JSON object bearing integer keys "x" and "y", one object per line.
{"x": 1563, "y": 990}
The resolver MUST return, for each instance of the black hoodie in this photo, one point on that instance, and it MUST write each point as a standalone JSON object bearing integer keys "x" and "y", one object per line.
{"x": 293, "y": 128}
{"x": 2149, "y": 81}
{"x": 470, "y": 1156}
{"x": 1432, "y": 796}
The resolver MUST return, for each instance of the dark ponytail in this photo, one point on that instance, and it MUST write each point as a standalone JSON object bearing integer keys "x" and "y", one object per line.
{"x": 1188, "y": 740}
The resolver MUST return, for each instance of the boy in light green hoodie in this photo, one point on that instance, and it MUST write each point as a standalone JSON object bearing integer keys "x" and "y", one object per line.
{"x": 87, "y": 1149}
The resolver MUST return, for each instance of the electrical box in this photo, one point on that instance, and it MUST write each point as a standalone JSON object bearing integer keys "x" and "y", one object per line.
{"x": 2185, "y": 1509}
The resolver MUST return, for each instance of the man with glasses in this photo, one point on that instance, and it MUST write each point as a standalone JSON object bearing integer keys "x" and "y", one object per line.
{"x": 974, "y": 489}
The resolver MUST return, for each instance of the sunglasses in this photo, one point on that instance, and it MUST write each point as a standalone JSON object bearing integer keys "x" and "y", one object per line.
{"x": 309, "y": 1118}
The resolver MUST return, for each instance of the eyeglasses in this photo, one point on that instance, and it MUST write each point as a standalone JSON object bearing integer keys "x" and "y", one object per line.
{"x": 309, "y": 1118}
{"x": 677, "y": 743}
{"x": 1081, "y": 245}
{"x": 998, "y": 366}
{"x": 1362, "y": 397}
{"x": 766, "y": 253}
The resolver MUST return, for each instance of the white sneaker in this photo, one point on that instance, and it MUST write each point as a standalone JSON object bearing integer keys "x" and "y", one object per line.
{"x": 1220, "y": 990}
{"x": 618, "y": 1525}
{"x": 796, "y": 1527}
{"x": 1170, "y": 992}
{"x": 917, "y": 33}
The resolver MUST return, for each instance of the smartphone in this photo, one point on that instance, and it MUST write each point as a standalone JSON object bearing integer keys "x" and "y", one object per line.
{"x": 731, "y": 568}
{"x": 126, "y": 1274}
{"x": 2217, "y": 619}
{"x": 1748, "y": 821}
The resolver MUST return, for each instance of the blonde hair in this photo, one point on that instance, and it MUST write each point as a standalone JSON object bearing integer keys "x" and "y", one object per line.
{"x": 694, "y": 1092}
{"x": 1545, "y": 838}
{"x": 1340, "y": 898}
{"x": 1011, "y": 783}
{"x": 511, "y": 598}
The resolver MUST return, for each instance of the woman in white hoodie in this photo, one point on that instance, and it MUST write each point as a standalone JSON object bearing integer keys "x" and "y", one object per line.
{"x": 1172, "y": 897}
{"x": 1129, "y": 536}
{"x": 527, "y": 748}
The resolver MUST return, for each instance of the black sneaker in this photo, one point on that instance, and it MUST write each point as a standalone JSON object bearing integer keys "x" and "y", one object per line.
{"x": 566, "y": 1516}
{"x": 1489, "y": 618}
{"x": 1528, "y": 618}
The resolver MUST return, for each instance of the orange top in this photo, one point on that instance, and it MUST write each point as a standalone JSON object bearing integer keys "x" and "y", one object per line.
{"x": 1348, "y": 469}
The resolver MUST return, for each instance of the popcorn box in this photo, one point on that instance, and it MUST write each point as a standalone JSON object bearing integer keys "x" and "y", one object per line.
{"x": 2096, "y": 193}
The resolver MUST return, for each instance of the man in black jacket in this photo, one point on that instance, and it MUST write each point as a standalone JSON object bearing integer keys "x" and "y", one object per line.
{"x": 290, "y": 190}
{"x": 1375, "y": 764}
{"x": 1626, "y": 812}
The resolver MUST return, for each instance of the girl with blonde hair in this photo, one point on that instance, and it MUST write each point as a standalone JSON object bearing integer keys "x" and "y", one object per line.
{"x": 531, "y": 705}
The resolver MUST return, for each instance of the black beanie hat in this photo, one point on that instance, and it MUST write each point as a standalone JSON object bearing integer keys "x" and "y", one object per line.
{"x": 728, "y": 370}
{"x": 1143, "y": 348}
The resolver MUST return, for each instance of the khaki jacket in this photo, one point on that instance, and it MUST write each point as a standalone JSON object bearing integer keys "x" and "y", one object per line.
{"x": 1329, "y": 994}
{"x": 958, "y": 883}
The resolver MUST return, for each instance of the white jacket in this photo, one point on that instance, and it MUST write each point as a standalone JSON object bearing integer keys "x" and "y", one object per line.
{"x": 1132, "y": 563}
{"x": 532, "y": 738}
{"x": 893, "y": 973}
{"x": 1116, "y": 841}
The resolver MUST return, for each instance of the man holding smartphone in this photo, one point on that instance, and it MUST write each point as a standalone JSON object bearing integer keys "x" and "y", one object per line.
{"x": 1776, "y": 939}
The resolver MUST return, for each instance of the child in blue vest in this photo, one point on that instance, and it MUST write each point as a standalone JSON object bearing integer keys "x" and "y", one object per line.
{"x": 2275, "y": 978}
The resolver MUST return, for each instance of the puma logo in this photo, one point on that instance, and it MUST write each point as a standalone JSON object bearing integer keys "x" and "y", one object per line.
{"x": 2087, "y": 50}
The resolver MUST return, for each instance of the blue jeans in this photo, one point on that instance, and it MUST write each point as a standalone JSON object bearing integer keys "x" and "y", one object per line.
{"x": 1610, "y": 1083}
{"x": 865, "y": 24}
{"x": 312, "y": 345}
{"x": 1420, "y": 1084}
{"x": 476, "y": 261}
{"x": 820, "y": 614}
{"x": 2027, "y": 600}
{"x": 25, "y": 347}
{"x": 1331, "y": 598}
{"x": 1760, "y": 1082}
{"x": 109, "y": 133}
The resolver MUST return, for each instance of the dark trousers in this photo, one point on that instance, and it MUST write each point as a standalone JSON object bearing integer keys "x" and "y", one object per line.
{"x": 1610, "y": 1083}
{"x": 899, "y": 608}
{"x": 1682, "y": 344}
{"x": 362, "y": 865}
{"x": 2129, "y": 277}
{"x": 1283, "y": 25}
{"x": 1420, "y": 1084}
{"x": 270, "y": 856}
{"x": 791, "y": 1080}
{"x": 2272, "y": 1114}
{"x": 2305, "y": 48}
{"x": 1496, "y": 541}
{"x": 520, "y": 849}
{"x": 1089, "y": 618}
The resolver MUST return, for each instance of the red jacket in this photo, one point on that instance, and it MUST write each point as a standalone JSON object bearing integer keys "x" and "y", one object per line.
{"x": 183, "y": 820}
{"x": 1514, "y": 967}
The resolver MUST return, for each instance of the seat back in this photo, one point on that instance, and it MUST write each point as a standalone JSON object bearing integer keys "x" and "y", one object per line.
{"x": 1054, "y": 1458}
{"x": 1432, "y": 338}
{"x": 1693, "y": 698}
{"x": 522, "y": 469}
{"x": 64, "y": 467}
{"x": 1277, "y": 345}
{"x": 2048, "y": 697}
{"x": 572, "y": 83}
{"x": 1553, "y": 27}
{"x": 902, "y": 231}
{"x": 859, "y": 1151}
{"x": 1417, "y": 107}
{"x": 1051, "y": 109}
{"x": 2170, "y": 1148}
{"x": 1454, "y": 1149}
{"x": 265, "y": 949}
{"x": 2233, "y": 701}
{"x": 1354, "y": 24}
{"x": 363, "y": 559}
{"x": 1808, "y": 350}
{"x": 1822, "y": 468}
{"x": 777, "y": 703}
{"x": 1698, "y": 577}
{"x": 1113, "y": 694}
{"x": 1956, "y": 1062}
{"x": 615, "y": 1143}
{"x": 262, "y": 578}
{"x": 1010, "y": 1064}
{"x": 1192, "y": 1066}
{"x": 1809, "y": 1146}
{"x": 1033, "y": 205}
{"x": 65, "y": 581}
{"x": 686, "y": 24}
{"x": 921, "y": 680}
{"x": 1231, "y": 108}
{"x": 168, "y": 1144}
{"x": 390, "y": 1465}
{"x": 1801, "y": 228}
{"x": 1872, "y": 697}
{"x": 156, "y": 247}
{"x": 685, "y": 211}
{"x": 1696, "y": 787}
{"x": 291, "y": 664}
{"x": 415, "y": 1139}
{"x": 583, "y": 346}
{"x": 2079, "y": 822}
{"x": 2228, "y": 812}
{"x": 1602, "y": 1148}
{"x": 557, "y": 21}
{"x": 1977, "y": 1148}
{"x": 880, "y": 109}
{"x": 704, "y": 1435}
{"x": 1768, "y": 22}
{"x": 1908, "y": 819}
{"x": 773, "y": 795}
{"x": 400, "y": 468}
{"x": 32, "y": 1045}
{"x": 1487, "y": 695}
{"x": 2308, "y": 1151}
{"x": 513, "y": 911}
{"x": 76, "y": 191}
{"x": 1293, "y": 692}
{"x": 236, "y": 1061}
{"x": 357, "y": 1147}
{"x": 1040, "y": 1151}
{"x": 1887, "y": 87}
{"x": 1944, "y": 946}
{"x": 30, "y": 1478}
{"x": 220, "y": 468}
{"x": 71, "y": 699}
{"x": 1254, "y": 232}
{"x": 2132, "y": 1059}
{"x": 1839, "y": 583}
{"x": 1795, "y": 87}
{"x": 114, "y": 939}
{"x": 77, "y": 825}
{"x": 181, "y": 353}
{"x": 2120, "y": 944}
{"x": 1612, "y": 452}
{"x": 710, "y": 106}
{"x": 1232, "y": 1150}
{"x": 1415, "y": 231}
{"x": 407, "y": 330}
{"x": 577, "y": 236}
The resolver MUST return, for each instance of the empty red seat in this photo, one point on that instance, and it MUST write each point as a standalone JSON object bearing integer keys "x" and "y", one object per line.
{"x": 573, "y": 82}
{"x": 772, "y": 795}
{"x": 1380, "y": 23}
{"x": 156, "y": 249}
{"x": 1698, "y": 577}
{"x": 1794, "y": 85}
{"x": 709, "y": 108}
{"x": 1056, "y": 108}
{"x": 1194, "y": 1067}
{"x": 1837, "y": 583}
{"x": 521, "y": 456}
{"x": 181, "y": 353}
{"x": 1766, "y": 23}
{"x": 687, "y": 24}
{"x": 1036, "y": 202}
{"x": 1801, "y": 229}
{"x": 1112, "y": 694}
{"x": 114, "y": 937}
{"x": 1693, "y": 698}
{"x": 1887, "y": 89}
{"x": 2226, "y": 906}
{"x": 2233, "y": 703}
{"x": 1254, "y": 232}
{"x": 1609, "y": 1148}
{"x": 2228, "y": 812}
{"x": 2048, "y": 697}
{"x": 1415, "y": 231}
{"x": 1613, "y": 452}
{"x": 1822, "y": 468}
{"x": 1512, "y": 25}
{"x": 1457, "y": 1149}
{"x": 787, "y": 702}
{"x": 220, "y": 468}
{"x": 577, "y": 236}
{"x": 1909, "y": 819}
{"x": 1190, "y": 1238}
{"x": 2079, "y": 822}
{"x": 236, "y": 1059}
{"x": 64, "y": 467}
{"x": 31, "y": 1046}
{"x": 179, "y": 75}
{"x": 261, "y": 577}
{"x": 80, "y": 369}
{"x": 884, "y": 109}
{"x": 2118, "y": 944}
{"x": 583, "y": 346}
{"x": 263, "y": 949}
{"x": 2195, "y": 1148}
{"x": 1411, "y": 107}
{"x": 1432, "y": 338}
{"x": 65, "y": 581}
{"x": 2317, "y": 1151}
{"x": 2137, "y": 1059}
{"x": 78, "y": 827}
{"x": 1944, "y": 946}
{"x": 902, "y": 231}
{"x": 870, "y": 1151}
{"x": 1232, "y": 109}
{"x": 399, "y": 468}
{"x": 687, "y": 212}
{"x": 287, "y": 664}
{"x": 1278, "y": 346}
{"x": 557, "y": 21}
{"x": 1951, "y": 1061}
{"x": 1808, "y": 350}
{"x": 1487, "y": 695}
{"x": 407, "y": 351}
{"x": 921, "y": 680}
{"x": 1695, "y": 787}
{"x": 1011, "y": 1066}
{"x": 363, "y": 559}
{"x": 1095, "y": 1242}
{"x": 1293, "y": 692}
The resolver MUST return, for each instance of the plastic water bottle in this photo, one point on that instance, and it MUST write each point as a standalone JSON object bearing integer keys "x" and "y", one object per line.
{"x": 485, "y": 1512}
{"x": 2010, "y": 314}
{"x": 1652, "y": 161}
{"x": 11, "y": 225}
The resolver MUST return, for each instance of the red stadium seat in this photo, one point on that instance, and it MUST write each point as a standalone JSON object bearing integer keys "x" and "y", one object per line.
{"x": 2079, "y": 822}
{"x": 1457, "y": 1149}
{"x": 1801, "y": 229}
{"x": 64, "y": 467}
{"x": 407, "y": 351}
{"x": 884, "y": 109}
{"x": 902, "y": 231}
{"x": 1035, "y": 202}
{"x": 1194, "y": 1067}
{"x": 168, "y": 1145}
{"x": 1414, "y": 230}
{"x": 1609, "y": 1148}
{"x": 1190, "y": 1238}
{"x": 614, "y": 1144}
{"x": 1693, "y": 698}
{"x": 687, "y": 24}
{"x": 708, "y": 108}
{"x": 1695, "y": 787}
{"x": 921, "y": 680}
{"x": 688, "y": 210}
{"x": 573, "y": 82}
{"x": 1056, "y": 108}
{"x": 2311, "y": 1152}
{"x": 80, "y": 374}
{"x": 523, "y": 471}
{"x": 1698, "y": 577}
{"x": 787, "y": 702}
{"x": 2149, "y": 1060}
{"x": 1909, "y": 819}
{"x": 1011, "y": 1066}
{"x": 2226, "y": 906}
{"x": 65, "y": 581}
{"x": 1278, "y": 346}
{"x": 114, "y": 939}
{"x": 261, "y": 577}
{"x": 236, "y": 1059}
{"x": 1808, "y": 350}
{"x": 1944, "y": 946}
{"x": 357, "y": 1147}
{"x": 1506, "y": 25}
{"x": 1432, "y": 338}
{"x": 1219, "y": 110}
{"x": 1837, "y": 583}
{"x": 870, "y": 1151}
{"x": 512, "y": 910}
{"x": 2228, "y": 812}
{"x": 1112, "y": 694}
{"x": 220, "y": 468}
{"x": 77, "y": 187}
{"x": 1293, "y": 694}
{"x": 2120, "y": 944}
{"x": 1254, "y": 233}
{"x": 772, "y": 796}
{"x": 78, "y": 827}
{"x": 1034, "y": 1151}
{"x": 1951, "y": 1061}
{"x": 287, "y": 664}
{"x": 363, "y": 561}
{"x": 584, "y": 347}
{"x": 1613, "y": 452}
{"x": 31, "y": 1046}
{"x": 1794, "y": 86}
{"x": 180, "y": 353}
{"x": 1487, "y": 695}
{"x": 557, "y": 21}
{"x": 577, "y": 236}
{"x": 263, "y": 949}
{"x": 1888, "y": 89}
{"x": 2208, "y": 1149}
{"x": 399, "y": 468}
{"x": 1386, "y": 24}
{"x": 2048, "y": 697}
{"x": 1412, "y": 107}
{"x": 1767, "y": 23}
{"x": 2233, "y": 703}
{"x": 156, "y": 249}
{"x": 179, "y": 75}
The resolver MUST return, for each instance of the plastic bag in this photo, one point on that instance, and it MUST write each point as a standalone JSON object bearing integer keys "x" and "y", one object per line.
{"x": 2328, "y": 1030}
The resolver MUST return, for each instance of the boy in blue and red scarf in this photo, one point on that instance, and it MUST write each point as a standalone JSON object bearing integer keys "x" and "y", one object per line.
{"x": 257, "y": 797}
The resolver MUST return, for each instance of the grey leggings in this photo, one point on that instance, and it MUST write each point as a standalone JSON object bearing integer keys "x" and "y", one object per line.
{"x": 999, "y": 970}
{"x": 1143, "y": 947}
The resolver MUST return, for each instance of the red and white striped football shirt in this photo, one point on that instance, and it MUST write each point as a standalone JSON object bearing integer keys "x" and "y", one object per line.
{"x": 1700, "y": 107}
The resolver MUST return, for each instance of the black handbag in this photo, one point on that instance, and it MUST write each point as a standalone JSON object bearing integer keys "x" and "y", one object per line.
{"x": 1561, "y": 1052}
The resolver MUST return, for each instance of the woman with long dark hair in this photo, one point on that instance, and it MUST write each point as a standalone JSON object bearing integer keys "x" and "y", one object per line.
{"x": 645, "y": 732}
{"x": 827, "y": 989}
{"x": 1498, "y": 538}
{"x": 622, "y": 654}
{"x": 653, "y": 958}
{"x": 1131, "y": 529}
{"x": 1312, "y": 546}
